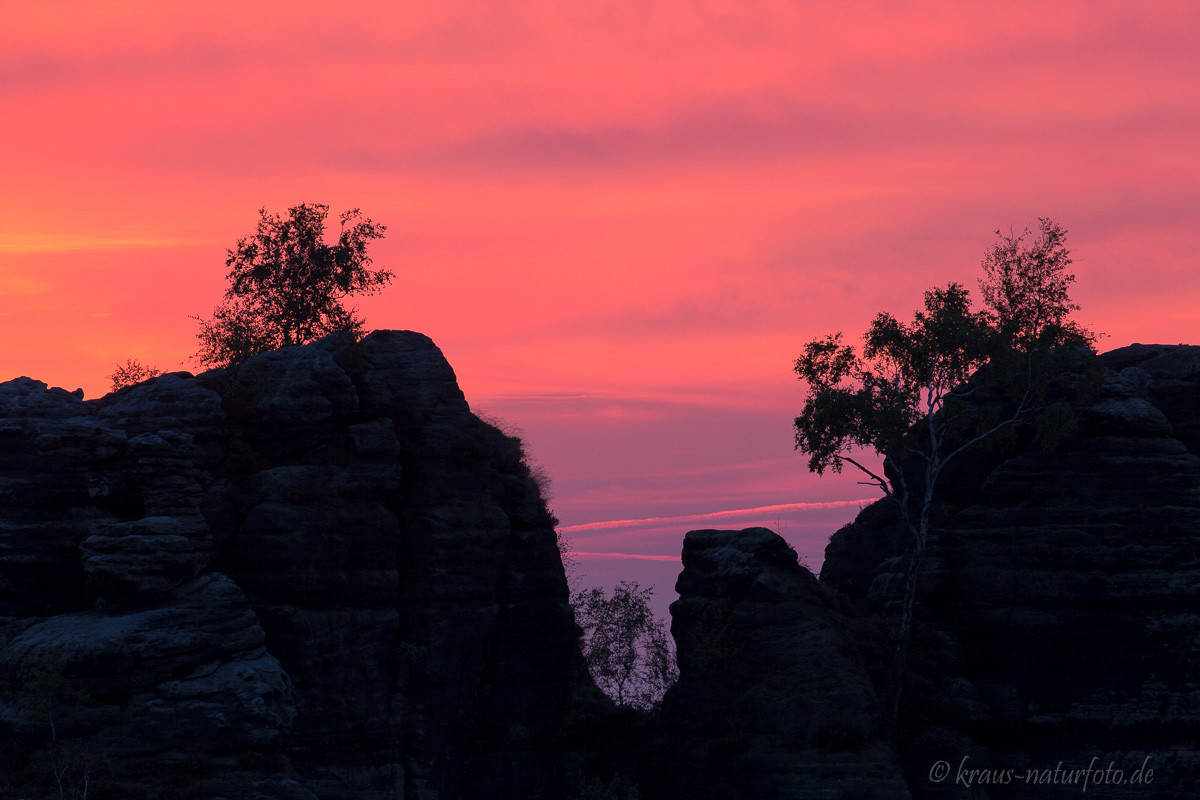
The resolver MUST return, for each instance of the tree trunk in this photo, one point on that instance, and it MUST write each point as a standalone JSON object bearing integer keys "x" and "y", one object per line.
{"x": 904, "y": 632}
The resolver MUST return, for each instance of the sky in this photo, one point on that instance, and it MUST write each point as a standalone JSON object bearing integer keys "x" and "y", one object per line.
{"x": 620, "y": 221}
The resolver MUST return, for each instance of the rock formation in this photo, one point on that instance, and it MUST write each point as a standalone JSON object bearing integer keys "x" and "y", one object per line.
{"x": 319, "y": 577}
{"x": 1062, "y": 591}
{"x": 773, "y": 699}
{"x": 323, "y": 577}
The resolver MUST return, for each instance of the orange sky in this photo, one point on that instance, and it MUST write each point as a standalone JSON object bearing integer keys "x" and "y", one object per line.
{"x": 620, "y": 221}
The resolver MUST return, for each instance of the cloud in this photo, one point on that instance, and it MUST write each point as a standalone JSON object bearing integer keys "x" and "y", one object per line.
{"x": 12, "y": 285}
{"x": 27, "y": 73}
{"x": 633, "y": 556}
{"x": 735, "y": 129}
{"x": 639, "y": 212}
{"x": 715, "y": 516}
{"x": 21, "y": 243}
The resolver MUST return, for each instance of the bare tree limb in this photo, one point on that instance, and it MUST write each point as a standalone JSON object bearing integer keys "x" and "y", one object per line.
{"x": 875, "y": 479}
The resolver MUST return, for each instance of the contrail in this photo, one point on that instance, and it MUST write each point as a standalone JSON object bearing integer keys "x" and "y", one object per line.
{"x": 638, "y": 556}
{"x": 760, "y": 511}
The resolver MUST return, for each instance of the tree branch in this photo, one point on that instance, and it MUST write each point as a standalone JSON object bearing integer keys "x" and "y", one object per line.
{"x": 875, "y": 479}
{"x": 1021, "y": 409}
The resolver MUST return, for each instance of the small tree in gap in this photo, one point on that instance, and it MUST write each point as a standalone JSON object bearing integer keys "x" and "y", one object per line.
{"x": 627, "y": 650}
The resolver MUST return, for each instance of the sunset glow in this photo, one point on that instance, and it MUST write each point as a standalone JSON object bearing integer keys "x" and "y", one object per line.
{"x": 620, "y": 221}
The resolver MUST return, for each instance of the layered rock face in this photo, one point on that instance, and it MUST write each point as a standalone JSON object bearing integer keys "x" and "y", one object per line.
{"x": 773, "y": 698}
{"x": 323, "y": 577}
{"x": 1066, "y": 587}
{"x": 320, "y": 577}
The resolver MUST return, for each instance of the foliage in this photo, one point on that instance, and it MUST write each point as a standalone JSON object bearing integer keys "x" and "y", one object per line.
{"x": 49, "y": 698}
{"x": 906, "y": 372}
{"x": 131, "y": 373}
{"x": 908, "y": 396}
{"x": 1027, "y": 288}
{"x": 45, "y": 692}
{"x": 627, "y": 650}
{"x": 286, "y": 284}
{"x": 540, "y": 479}
{"x": 917, "y": 372}
{"x": 570, "y": 561}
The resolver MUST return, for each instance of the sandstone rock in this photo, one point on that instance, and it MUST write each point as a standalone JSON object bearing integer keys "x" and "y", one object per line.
{"x": 321, "y": 571}
{"x": 1173, "y": 384}
{"x": 149, "y": 556}
{"x": 176, "y": 403}
{"x": 773, "y": 697}
{"x": 1069, "y": 581}
{"x": 54, "y": 485}
{"x": 399, "y": 374}
{"x": 139, "y": 688}
{"x": 323, "y": 576}
{"x": 289, "y": 400}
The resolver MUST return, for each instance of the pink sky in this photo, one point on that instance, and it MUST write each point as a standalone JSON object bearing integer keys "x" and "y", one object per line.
{"x": 620, "y": 221}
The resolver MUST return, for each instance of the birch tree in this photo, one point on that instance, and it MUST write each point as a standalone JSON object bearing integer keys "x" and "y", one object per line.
{"x": 287, "y": 284}
{"x": 906, "y": 397}
{"x": 626, "y": 649}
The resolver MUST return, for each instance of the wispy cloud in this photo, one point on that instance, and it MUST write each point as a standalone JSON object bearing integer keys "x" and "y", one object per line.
{"x": 21, "y": 243}
{"x": 635, "y": 556}
{"x": 14, "y": 285}
{"x": 714, "y": 516}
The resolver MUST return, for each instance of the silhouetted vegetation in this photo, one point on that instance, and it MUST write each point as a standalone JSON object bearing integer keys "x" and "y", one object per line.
{"x": 626, "y": 648}
{"x": 132, "y": 372}
{"x": 906, "y": 395}
{"x": 49, "y": 698}
{"x": 1026, "y": 290}
{"x": 287, "y": 285}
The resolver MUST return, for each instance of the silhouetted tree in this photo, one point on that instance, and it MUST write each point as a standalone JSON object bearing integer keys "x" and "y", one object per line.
{"x": 906, "y": 397}
{"x": 626, "y": 649}
{"x": 131, "y": 373}
{"x": 286, "y": 284}
{"x": 1027, "y": 288}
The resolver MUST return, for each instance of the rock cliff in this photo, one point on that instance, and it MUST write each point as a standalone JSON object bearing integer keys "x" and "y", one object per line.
{"x": 324, "y": 577}
{"x": 774, "y": 699}
{"x": 319, "y": 577}
{"x": 1060, "y": 595}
